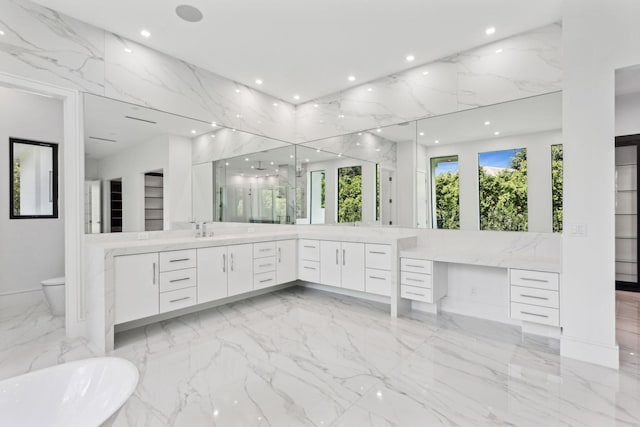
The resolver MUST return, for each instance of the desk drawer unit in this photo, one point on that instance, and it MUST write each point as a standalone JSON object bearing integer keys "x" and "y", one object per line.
{"x": 535, "y": 279}
{"x": 535, "y": 296}
{"x": 415, "y": 279}
{"x": 176, "y": 260}
{"x": 417, "y": 294}
{"x": 422, "y": 266}
{"x": 536, "y": 314}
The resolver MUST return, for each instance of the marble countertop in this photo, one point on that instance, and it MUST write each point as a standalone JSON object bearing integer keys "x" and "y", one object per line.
{"x": 504, "y": 260}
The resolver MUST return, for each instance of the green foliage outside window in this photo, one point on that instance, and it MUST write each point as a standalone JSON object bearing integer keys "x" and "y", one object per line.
{"x": 503, "y": 196}
{"x": 556, "y": 181}
{"x": 350, "y": 194}
{"x": 447, "y": 200}
{"x": 16, "y": 187}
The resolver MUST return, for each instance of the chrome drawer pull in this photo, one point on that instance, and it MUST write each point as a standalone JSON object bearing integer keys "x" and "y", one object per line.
{"x": 414, "y": 293}
{"x": 529, "y": 279}
{"x": 310, "y": 268}
{"x": 534, "y": 297}
{"x": 265, "y": 265}
{"x": 411, "y": 279}
{"x": 265, "y": 280}
{"x": 265, "y": 250}
{"x": 376, "y": 277}
{"x": 310, "y": 247}
{"x": 179, "y": 299}
{"x": 415, "y": 266}
{"x": 180, "y": 260}
{"x": 377, "y": 252}
{"x": 533, "y": 314}
{"x": 179, "y": 280}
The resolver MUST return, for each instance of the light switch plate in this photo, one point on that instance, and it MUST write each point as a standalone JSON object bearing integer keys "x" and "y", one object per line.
{"x": 578, "y": 230}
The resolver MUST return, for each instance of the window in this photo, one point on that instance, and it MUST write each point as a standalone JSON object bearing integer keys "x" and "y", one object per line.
{"x": 503, "y": 190}
{"x": 445, "y": 192}
{"x": 350, "y": 194}
{"x": 556, "y": 189}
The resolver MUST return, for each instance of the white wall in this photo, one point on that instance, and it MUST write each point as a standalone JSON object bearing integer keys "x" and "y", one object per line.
{"x": 599, "y": 37}
{"x": 406, "y": 184}
{"x": 628, "y": 114}
{"x": 538, "y": 147}
{"x": 30, "y": 249}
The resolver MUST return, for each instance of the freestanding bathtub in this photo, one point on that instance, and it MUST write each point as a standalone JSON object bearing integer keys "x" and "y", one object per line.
{"x": 84, "y": 393}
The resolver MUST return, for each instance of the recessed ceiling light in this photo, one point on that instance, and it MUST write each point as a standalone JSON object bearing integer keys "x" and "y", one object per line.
{"x": 498, "y": 50}
{"x": 496, "y": 133}
{"x": 238, "y": 115}
{"x": 490, "y": 30}
{"x": 189, "y": 13}
{"x": 487, "y": 123}
{"x": 226, "y": 164}
{"x": 258, "y": 81}
{"x": 296, "y": 97}
{"x": 1, "y": 33}
{"x": 370, "y": 89}
{"x": 237, "y": 90}
{"x": 193, "y": 131}
{"x": 275, "y": 104}
{"x": 358, "y": 144}
{"x": 421, "y": 133}
{"x": 341, "y": 116}
{"x": 127, "y": 50}
{"x": 252, "y": 167}
{"x": 351, "y": 78}
{"x": 233, "y": 130}
{"x": 318, "y": 150}
{"x": 213, "y": 135}
{"x": 291, "y": 156}
{"x": 316, "y": 105}
{"x": 271, "y": 163}
{"x": 214, "y": 124}
{"x": 359, "y": 133}
{"x": 378, "y": 130}
{"x": 145, "y": 34}
{"x": 410, "y": 58}
{"x": 277, "y": 170}
{"x": 436, "y": 141}
{"x": 306, "y": 160}
{"x": 246, "y": 159}
{"x": 340, "y": 155}
{"x": 377, "y": 149}
{"x": 425, "y": 73}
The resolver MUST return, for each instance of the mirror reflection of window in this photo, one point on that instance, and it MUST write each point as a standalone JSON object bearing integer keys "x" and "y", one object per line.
{"x": 503, "y": 190}
{"x": 557, "y": 157}
{"x": 445, "y": 192}
{"x": 34, "y": 183}
{"x": 350, "y": 194}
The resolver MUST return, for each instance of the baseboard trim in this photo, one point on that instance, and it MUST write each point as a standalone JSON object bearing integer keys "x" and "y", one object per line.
{"x": 24, "y": 291}
{"x": 604, "y": 355}
{"x": 347, "y": 292}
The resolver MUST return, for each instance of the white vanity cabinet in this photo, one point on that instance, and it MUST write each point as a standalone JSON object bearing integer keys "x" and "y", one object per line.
{"x": 378, "y": 272}
{"x": 342, "y": 264}
{"x": 286, "y": 261}
{"x": 240, "y": 269}
{"x": 535, "y": 296}
{"x": 136, "y": 286}
{"x": 212, "y": 273}
{"x": 309, "y": 260}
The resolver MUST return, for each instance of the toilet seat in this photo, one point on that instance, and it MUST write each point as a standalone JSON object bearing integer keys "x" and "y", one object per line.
{"x": 56, "y": 281}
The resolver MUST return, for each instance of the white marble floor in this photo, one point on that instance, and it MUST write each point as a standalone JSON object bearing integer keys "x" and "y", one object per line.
{"x": 301, "y": 357}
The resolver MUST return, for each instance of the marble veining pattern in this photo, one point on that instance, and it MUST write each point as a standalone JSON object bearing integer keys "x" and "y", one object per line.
{"x": 302, "y": 357}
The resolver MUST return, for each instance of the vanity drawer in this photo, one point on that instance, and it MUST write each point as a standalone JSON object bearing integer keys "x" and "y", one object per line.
{"x": 264, "y": 265}
{"x": 378, "y": 282}
{"x": 535, "y": 279}
{"x": 536, "y": 314}
{"x": 264, "y": 280}
{"x": 416, "y": 294}
{"x": 416, "y": 279}
{"x": 178, "y": 279}
{"x": 175, "y": 300}
{"x": 264, "y": 249}
{"x": 309, "y": 250}
{"x": 176, "y": 260}
{"x": 535, "y": 296}
{"x": 378, "y": 256}
{"x": 309, "y": 271}
{"x": 416, "y": 265}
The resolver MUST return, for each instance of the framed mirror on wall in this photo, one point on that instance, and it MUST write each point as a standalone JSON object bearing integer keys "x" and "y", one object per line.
{"x": 33, "y": 179}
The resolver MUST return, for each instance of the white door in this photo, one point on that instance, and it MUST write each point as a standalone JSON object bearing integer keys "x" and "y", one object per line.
{"x": 353, "y": 266}
{"x": 240, "y": 273}
{"x": 330, "y": 263}
{"x": 212, "y": 273}
{"x": 136, "y": 287}
{"x": 286, "y": 261}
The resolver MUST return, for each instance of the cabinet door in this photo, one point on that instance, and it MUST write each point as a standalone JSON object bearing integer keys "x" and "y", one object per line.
{"x": 136, "y": 287}
{"x": 286, "y": 261}
{"x": 240, "y": 263}
{"x": 212, "y": 273}
{"x": 330, "y": 257}
{"x": 353, "y": 266}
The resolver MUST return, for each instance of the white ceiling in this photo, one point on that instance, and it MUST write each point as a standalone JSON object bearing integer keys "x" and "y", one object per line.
{"x": 309, "y": 47}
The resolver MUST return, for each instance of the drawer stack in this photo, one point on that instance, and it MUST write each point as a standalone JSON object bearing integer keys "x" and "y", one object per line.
{"x": 535, "y": 296}
{"x": 264, "y": 265}
{"x": 309, "y": 260}
{"x": 378, "y": 269}
{"x": 178, "y": 279}
{"x": 416, "y": 279}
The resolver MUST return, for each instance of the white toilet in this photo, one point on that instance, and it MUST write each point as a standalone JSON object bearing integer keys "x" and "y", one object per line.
{"x": 54, "y": 294}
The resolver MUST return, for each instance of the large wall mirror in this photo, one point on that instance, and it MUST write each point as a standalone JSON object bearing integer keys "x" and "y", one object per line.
{"x": 34, "y": 179}
{"x": 493, "y": 168}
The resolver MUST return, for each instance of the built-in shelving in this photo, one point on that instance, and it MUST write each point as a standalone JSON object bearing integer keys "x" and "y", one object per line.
{"x": 116, "y": 205}
{"x": 153, "y": 201}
